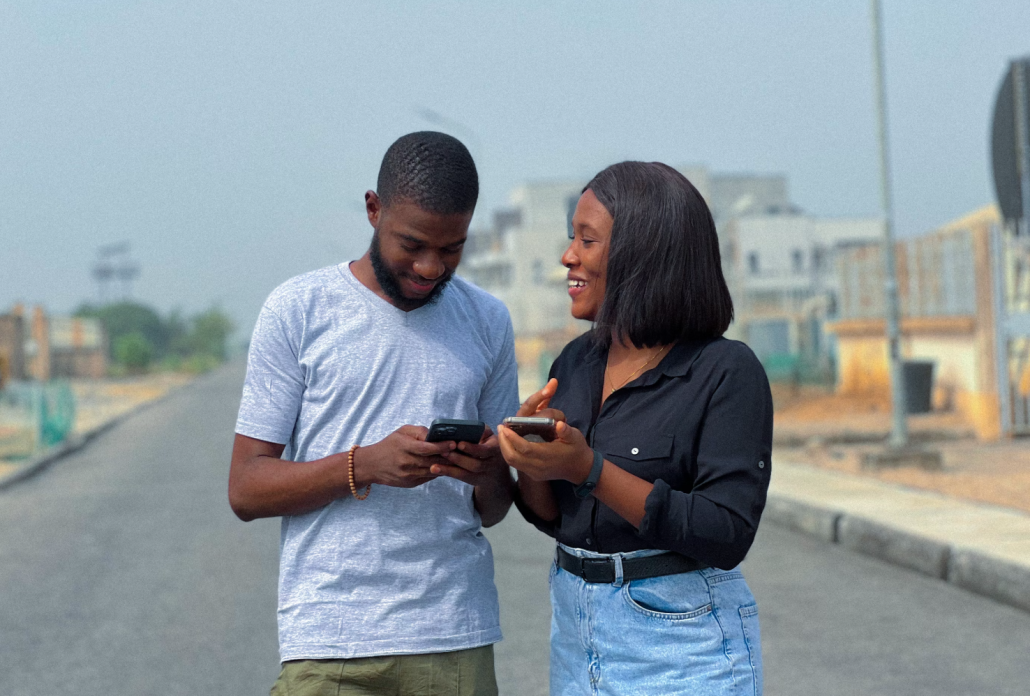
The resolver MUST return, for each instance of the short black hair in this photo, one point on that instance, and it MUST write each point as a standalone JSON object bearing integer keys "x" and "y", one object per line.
{"x": 432, "y": 170}
{"x": 664, "y": 279}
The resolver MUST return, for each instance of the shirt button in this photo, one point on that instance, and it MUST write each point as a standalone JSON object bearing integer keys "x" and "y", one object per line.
{"x": 761, "y": 465}
{"x": 635, "y": 450}
{"x": 589, "y": 541}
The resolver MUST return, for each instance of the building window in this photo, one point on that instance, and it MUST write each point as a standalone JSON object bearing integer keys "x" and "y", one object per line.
{"x": 752, "y": 263}
{"x": 818, "y": 258}
{"x": 797, "y": 261}
{"x": 570, "y": 210}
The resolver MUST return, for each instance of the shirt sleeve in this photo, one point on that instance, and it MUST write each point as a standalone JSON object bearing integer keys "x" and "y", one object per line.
{"x": 500, "y": 396}
{"x": 274, "y": 386}
{"x": 548, "y": 528}
{"x": 716, "y": 521}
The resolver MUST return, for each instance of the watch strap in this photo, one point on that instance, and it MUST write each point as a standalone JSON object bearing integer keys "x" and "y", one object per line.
{"x": 584, "y": 489}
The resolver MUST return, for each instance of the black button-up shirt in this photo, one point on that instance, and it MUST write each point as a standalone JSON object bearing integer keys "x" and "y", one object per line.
{"x": 698, "y": 426}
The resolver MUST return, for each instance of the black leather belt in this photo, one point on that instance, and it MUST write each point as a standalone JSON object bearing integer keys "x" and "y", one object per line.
{"x": 603, "y": 569}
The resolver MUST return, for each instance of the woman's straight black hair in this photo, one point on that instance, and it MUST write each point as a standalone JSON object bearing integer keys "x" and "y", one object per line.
{"x": 664, "y": 279}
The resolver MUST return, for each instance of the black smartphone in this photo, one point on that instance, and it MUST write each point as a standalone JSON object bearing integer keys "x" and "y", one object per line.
{"x": 444, "y": 429}
{"x": 532, "y": 428}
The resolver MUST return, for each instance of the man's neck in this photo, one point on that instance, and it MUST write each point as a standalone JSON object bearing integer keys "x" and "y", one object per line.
{"x": 366, "y": 275}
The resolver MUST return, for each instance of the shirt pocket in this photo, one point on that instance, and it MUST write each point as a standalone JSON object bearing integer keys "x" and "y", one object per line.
{"x": 647, "y": 455}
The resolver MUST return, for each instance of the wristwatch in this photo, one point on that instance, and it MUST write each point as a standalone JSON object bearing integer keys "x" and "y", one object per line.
{"x": 584, "y": 489}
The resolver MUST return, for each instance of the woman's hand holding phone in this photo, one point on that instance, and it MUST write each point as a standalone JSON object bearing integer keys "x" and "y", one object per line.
{"x": 568, "y": 457}
{"x": 538, "y": 404}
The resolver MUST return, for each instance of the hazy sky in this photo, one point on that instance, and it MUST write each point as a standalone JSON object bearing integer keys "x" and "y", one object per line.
{"x": 231, "y": 142}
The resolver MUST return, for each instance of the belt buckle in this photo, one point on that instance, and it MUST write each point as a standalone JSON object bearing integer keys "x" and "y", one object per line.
{"x": 597, "y": 570}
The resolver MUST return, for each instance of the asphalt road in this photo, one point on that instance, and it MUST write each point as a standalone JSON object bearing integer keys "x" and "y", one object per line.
{"x": 123, "y": 572}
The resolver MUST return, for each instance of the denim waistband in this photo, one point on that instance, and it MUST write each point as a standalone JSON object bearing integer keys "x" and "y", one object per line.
{"x": 583, "y": 553}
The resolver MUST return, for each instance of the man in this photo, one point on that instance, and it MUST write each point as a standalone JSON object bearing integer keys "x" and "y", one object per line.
{"x": 393, "y": 593}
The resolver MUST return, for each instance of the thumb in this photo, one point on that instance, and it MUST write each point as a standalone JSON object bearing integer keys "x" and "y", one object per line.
{"x": 565, "y": 432}
{"x": 539, "y": 399}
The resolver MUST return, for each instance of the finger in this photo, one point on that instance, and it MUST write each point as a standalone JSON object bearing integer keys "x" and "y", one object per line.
{"x": 567, "y": 433}
{"x": 538, "y": 399}
{"x": 429, "y": 449}
{"x": 468, "y": 463}
{"x": 418, "y": 432}
{"x": 487, "y": 448}
{"x": 553, "y": 413}
{"x": 454, "y": 472}
{"x": 507, "y": 450}
{"x": 521, "y": 446}
{"x": 419, "y": 466}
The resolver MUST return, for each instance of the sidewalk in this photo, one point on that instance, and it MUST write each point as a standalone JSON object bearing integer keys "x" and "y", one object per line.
{"x": 979, "y": 547}
{"x": 100, "y": 405}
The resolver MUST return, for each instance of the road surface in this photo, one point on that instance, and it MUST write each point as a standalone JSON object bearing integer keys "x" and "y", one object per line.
{"x": 123, "y": 572}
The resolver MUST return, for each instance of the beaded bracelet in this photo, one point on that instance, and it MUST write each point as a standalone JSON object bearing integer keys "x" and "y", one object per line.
{"x": 350, "y": 475}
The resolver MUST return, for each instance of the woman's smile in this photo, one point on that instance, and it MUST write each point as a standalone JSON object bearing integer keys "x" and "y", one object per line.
{"x": 587, "y": 255}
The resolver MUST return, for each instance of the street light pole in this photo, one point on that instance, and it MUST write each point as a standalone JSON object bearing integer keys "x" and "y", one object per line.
{"x": 899, "y": 429}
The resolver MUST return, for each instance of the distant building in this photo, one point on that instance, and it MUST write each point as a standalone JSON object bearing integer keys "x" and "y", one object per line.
{"x": 518, "y": 258}
{"x": 45, "y": 347}
{"x": 733, "y": 195}
{"x": 782, "y": 271}
{"x": 37, "y": 346}
{"x": 78, "y": 348}
{"x": 12, "y": 347}
{"x": 946, "y": 289}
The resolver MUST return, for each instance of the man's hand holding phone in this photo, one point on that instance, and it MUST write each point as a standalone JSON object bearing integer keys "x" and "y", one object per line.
{"x": 402, "y": 459}
{"x": 476, "y": 464}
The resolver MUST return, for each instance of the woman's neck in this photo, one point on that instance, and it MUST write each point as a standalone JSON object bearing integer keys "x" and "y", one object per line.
{"x": 627, "y": 362}
{"x": 622, "y": 350}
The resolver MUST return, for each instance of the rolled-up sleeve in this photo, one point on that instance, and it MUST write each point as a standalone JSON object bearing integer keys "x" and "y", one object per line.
{"x": 715, "y": 522}
{"x": 548, "y": 528}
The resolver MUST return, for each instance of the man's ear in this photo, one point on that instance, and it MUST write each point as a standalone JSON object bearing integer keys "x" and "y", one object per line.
{"x": 373, "y": 208}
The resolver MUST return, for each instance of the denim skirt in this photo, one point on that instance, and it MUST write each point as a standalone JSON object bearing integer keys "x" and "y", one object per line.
{"x": 692, "y": 633}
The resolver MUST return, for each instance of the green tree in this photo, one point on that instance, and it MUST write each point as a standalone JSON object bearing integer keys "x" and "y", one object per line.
{"x": 133, "y": 351}
{"x": 124, "y": 318}
{"x": 178, "y": 330}
{"x": 210, "y": 333}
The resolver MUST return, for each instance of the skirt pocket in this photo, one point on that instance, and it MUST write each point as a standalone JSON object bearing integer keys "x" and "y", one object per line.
{"x": 679, "y": 597}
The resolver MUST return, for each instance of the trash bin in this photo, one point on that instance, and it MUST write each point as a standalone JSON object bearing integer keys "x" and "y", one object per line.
{"x": 918, "y": 376}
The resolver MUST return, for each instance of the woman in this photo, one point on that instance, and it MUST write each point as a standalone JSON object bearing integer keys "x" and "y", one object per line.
{"x": 658, "y": 475}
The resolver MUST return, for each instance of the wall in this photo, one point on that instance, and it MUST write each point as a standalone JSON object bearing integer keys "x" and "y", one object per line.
{"x": 78, "y": 348}
{"x": 12, "y": 347}
{"x": 946, "y": 294}
{"x": 38, "y": 355}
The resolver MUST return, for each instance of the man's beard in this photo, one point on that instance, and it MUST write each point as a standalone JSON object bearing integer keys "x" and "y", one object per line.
{"x": 391, "y": 286}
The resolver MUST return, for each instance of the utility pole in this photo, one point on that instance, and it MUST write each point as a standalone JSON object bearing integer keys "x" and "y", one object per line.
{"x": 899, "y": 429}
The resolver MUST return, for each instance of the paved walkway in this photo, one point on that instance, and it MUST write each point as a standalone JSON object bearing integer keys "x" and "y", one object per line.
{"x": 980, "y": 547}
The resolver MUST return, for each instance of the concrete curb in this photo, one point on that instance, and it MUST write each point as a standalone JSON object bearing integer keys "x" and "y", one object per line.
{"x": 74, "y": 443}
{"x": 991, "y": 577}
{"x": 802, "y": 517}
{"x": 972, "y": 570}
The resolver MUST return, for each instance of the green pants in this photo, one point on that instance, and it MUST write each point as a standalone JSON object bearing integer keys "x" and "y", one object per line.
{"x": 459, "y": 673}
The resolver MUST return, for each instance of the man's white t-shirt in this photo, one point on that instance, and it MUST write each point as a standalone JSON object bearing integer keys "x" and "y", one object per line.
{"x": 331, "y": 364}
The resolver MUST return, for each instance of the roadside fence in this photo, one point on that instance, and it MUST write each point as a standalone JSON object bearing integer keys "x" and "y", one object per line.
{"x": 34, "y": 416}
